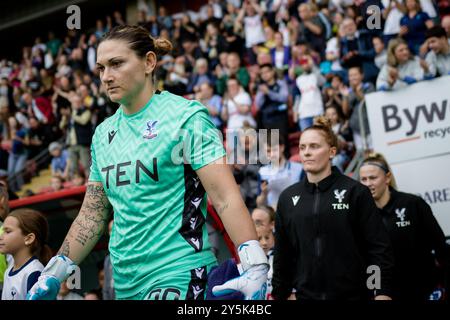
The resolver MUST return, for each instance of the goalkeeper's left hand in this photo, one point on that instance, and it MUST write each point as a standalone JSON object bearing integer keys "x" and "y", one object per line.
{"x": 252, "y": 282}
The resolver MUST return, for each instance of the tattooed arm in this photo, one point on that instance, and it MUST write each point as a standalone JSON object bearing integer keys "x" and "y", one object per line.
{"x": 89, "y": 225}
{"x": 84, "y": 233}
{"x": 224, "y": 193}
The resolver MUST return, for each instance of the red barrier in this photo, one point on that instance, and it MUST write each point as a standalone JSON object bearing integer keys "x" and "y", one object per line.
{"x": 45, "y": 197}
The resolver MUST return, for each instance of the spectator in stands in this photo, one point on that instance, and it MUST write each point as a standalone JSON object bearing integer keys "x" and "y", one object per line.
{"x": 118, "y": 19}
{"x": 59, "y": 165}
{"x": 46, "y": 79}
{"x": 402, "y": 68}
{"x": 207, "y": 16}
{"x": 269, "y": 34}
{"x": 4, "y": 116}
{"x": 60, "y": 98}
{"x": 311, "y": 29}
{"x": 109, "y": 23}
{"x": 278, "y": 175}
{"x": 191, "y": 53}
{"x": 438, "y": 59}
{"x": 4, "y": 181}
{"x": 65, "y": 118}
{"x": 56, "y": 183}
{"x": 309, "y": 104}
{"x": 353, "y": 99}
{"x": 164, "y": 19}
{"x": 188, "y": 29}
{"x": 236, "y": 110}
{"x": 281, "y": 54}
{"x": 250, "y": 15}
{"x": 18, "y": 154}
{"x": 380, "y": 50}
{"x": 78, "y": 180}
{"x": 446, "y": 25}
{"x": 229, "y": 17}
{"x": 39, "y": 107}
{"x": 211, "y": 101}
{"x": 392, "y": 14}
{"x": 332, "y": 95}
{"x": 99, "y": 28}
{"x": 53, "y": 44}
{"x": 177, "y": 78}
{"x": 86, "y": 96}
{"x": 324, "y": 16}
{"x": 6, "y": 90}
{"x": 263, "y": 56}
{"x": 356, "y": 49}
{"x": 77, "y": 61}
{"x": 199, "y": 76}
{"x": 79, "y": 136}
{"x": 414, "y": 24}
{"x": 38, "y": 138}
{"x": 235, "y": 42}
{"x": 233, "y": 68}
{"x": 143, "y": 20}
{"x": 332, "y": 64}
{"x": 215, "y": 43}
{"x": 22, "y": 115}
{"x": 430, "y": 7}
{"x": 271, "y": 101}
{"x": 63, "y": 69}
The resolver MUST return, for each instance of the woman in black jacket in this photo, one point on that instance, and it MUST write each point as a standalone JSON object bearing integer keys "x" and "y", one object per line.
{"x": 413, "y": 230}
{"x": 330, "y": 243}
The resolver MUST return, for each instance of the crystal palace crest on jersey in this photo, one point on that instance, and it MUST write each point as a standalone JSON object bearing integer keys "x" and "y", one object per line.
{"x": 150, "y": 132}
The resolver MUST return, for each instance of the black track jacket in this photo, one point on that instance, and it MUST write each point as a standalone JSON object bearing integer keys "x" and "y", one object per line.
{"x": 414, "y": 233}
{"x": 326, "y": 235}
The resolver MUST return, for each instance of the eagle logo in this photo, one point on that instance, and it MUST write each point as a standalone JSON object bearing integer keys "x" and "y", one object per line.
{"x": 150, "y": 132}
{"x": 339, "y": 195}
{"x": 401, "y": 213}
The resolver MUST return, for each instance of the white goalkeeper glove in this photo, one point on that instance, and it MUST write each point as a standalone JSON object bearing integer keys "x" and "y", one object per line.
{"x": 253, "y": 280}
{"x": 58, "y": 269}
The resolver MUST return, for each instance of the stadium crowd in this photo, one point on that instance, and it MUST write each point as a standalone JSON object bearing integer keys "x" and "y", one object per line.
{"x": 255, "y": 65}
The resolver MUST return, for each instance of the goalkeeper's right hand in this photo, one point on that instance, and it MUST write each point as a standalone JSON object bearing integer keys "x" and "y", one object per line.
{"x": 47, "y": 287}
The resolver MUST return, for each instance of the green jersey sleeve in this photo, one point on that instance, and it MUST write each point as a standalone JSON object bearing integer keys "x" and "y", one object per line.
{"x": 203, "y": 142}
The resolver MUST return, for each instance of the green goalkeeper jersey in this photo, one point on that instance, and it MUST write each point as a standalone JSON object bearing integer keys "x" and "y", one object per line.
{"x": 146, "y": 162}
